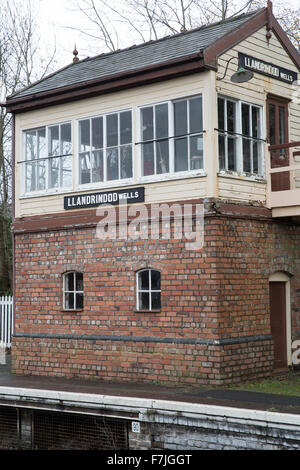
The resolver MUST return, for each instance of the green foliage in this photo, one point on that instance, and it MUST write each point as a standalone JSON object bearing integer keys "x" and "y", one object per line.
{"x": 287, "y": 384}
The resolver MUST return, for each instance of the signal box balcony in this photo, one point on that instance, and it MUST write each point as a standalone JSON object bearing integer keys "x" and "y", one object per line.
{"x": 283, "y": 175}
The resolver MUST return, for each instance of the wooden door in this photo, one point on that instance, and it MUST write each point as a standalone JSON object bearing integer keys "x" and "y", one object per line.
{"x": 278, "y": 323}
{"x": 277, "y": 132}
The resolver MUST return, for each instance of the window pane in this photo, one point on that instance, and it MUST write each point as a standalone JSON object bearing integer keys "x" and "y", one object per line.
{"x": 162, "y": 122}
{"x": 79, "y": 301}
{"x": 155, "y": 301}
{"x": 30, "y": 183}
{"x": 125, "y": 128}
{"x": 230, "y": 116}
{"x": 255, "y": 121}
{"x": 112, "y": 164}
{"x": 69, "y": 301}
{"x": 221, "y": 123}
{"x": 281, "y": 124}
{"x": 54, "y": 147}
{"x": 66, "y": 142}
{"x": 143, "y": 278}
{"x": 272, "y": 127}
{"x": 126, "y": 161}
{"x": 84, "y": 136}
{"x": 246, "y": 156}
{"x": 231, "y": 155}
{"x": 97, "y": 133}
{"x": 162, "y": 157}
{"x": 255, "y": 157}
{"x": 69, "y": 282}
{"x": 147, "y": 123}
{"x": 222, "y": 161}
{"x": 196, "y": 115}
{"x": 112, "y": 130}
{"x": 31, "y": 145}
{"x": 85, "y": 168}
{"x": 181, "y": 154}
{"x": 144, "y": 303}
{"x": 79, "y": 281}
{"x": 155, "y": 280}
{"x": 97, "y": 166}
{"x": 245, "y": 119}
{"x": 35, "y": 176}
{"x": 41, "y": 136}
{"x": 180, "y": 118}
{"x": 148, "y": 159}
{"x": 196, "y": 148}
{"x": 66, "y": 163}
{"x": 54, "y": 173}
{"x": 41, "y": 175}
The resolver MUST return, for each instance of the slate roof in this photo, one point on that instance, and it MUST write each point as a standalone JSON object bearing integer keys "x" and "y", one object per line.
{"x": 137, "y": 57}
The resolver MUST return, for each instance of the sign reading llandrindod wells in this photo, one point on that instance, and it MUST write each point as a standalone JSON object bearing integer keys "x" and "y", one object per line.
{"x": 266, "y": 68}
{"x": 108, "y": 197}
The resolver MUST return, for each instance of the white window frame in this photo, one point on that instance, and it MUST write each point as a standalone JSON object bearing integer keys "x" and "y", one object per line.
{"x": 47, "y": 159}
{"x": 105, "y": 183}
{"x": 239, "y": 139}
{"x": 149, "y": 291}
{"x": 74, "y": 292}
{"x": 171, "y": 139}
{"x": 252, "y": 139}
{"x": 228, "y": 135}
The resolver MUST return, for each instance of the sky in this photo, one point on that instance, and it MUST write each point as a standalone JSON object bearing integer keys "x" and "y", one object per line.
{"x": 56, "y": 15}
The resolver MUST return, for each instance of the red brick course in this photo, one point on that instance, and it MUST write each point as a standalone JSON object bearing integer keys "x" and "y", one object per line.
{"x": 217, "y": 296}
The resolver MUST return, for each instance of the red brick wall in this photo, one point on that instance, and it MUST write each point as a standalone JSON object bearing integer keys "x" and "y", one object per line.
{"x": 217, "y": 296}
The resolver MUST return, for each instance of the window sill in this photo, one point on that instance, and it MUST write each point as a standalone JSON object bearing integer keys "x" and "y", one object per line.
{"x": 242, "y": 176}
{"x": 147, "y": 311}
{"x": 171, "y": 177}
{"x": 120, "y": 184}
{"x": 65, "y": 310}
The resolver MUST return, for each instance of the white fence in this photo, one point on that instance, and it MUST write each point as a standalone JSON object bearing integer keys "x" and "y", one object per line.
{"x": 6, "y": 321}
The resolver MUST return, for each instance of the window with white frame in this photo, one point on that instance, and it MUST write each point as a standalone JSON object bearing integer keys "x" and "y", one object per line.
{"x": 48, "y": 157}
{"x": 105, "y": 148}
{"x": 148, "y": 289}
{"x": 252, "y": 143}
{"x": 73, "y": 291}
{"x": 240, "y": 137}
{"x": 172, "y": 137}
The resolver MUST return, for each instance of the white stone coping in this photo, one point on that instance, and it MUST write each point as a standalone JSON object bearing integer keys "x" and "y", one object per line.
{"x": 145, "y": 407}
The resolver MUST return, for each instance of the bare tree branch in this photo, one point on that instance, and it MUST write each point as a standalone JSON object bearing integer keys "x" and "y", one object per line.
{"x": 20, "y": 64}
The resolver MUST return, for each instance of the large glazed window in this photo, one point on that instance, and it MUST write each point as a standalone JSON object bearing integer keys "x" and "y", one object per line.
{"x": 227, "y": 134}
{"x": 155, "y": 136}
{"x": 240, "y": 137}
{"x": 105, "y": 148}
{"x": 172, "y": 137}
{"x": 48, "y": 158}
{"x": 188, "y": 128}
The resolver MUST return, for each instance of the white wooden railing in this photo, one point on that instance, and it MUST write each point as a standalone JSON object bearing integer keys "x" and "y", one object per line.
{"x": 6, "y": 321}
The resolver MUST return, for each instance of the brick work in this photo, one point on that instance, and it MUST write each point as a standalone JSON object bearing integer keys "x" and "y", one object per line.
{"x": 213, "y": 326}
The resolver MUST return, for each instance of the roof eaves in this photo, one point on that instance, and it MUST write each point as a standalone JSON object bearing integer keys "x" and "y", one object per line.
{"x": 169, "y": 69}
{"x": 41, "y": 80}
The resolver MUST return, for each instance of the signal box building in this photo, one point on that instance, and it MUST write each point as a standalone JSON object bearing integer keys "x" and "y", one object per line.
{"x": 208, "y": 118}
